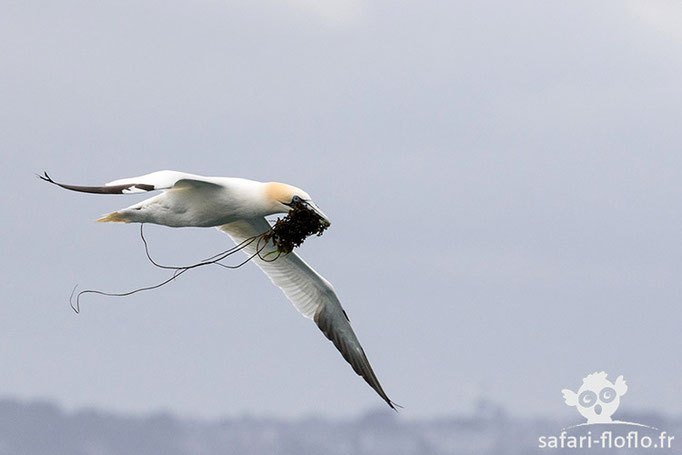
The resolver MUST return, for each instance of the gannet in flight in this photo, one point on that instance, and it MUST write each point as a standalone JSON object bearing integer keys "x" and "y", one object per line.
{"x": 238, "y": 207}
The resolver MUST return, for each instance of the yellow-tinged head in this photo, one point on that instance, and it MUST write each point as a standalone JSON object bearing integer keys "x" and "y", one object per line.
{"x": 284, "y": 194}
{"x": 280, "y": 196}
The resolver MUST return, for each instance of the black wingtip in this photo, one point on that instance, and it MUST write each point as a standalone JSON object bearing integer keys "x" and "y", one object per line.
{"x": 45, "y": 177}
{"x": 395, "y": 406}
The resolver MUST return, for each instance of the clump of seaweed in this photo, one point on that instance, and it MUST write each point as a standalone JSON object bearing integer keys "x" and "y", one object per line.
{"x": 300, "y": 223}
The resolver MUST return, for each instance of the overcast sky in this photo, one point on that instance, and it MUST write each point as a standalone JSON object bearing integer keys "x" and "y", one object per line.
{"x": 504, "y": 181}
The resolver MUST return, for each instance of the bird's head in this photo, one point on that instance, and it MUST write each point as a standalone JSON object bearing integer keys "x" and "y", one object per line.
{"x": 281, "y": 197}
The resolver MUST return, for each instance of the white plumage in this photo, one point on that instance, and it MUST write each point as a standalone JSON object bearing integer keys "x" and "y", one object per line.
{"x": 238, "y": 207}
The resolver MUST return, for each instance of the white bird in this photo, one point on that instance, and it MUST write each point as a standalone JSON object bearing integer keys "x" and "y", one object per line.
{"x": 238, "y": 207}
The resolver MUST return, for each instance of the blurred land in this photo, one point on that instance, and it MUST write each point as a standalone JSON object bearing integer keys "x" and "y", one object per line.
{"x": 32, "y": 428}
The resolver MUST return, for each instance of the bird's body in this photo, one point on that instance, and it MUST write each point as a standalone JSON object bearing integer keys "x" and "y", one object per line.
{"x": 238, "y": 207}
{"x": 195, "y": 201}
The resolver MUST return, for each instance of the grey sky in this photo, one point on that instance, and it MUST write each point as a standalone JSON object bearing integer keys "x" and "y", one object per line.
{"x": 503, "y": 178}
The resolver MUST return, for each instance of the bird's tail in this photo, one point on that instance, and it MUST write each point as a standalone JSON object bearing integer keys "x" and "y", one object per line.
{"x": 114, "y": 217}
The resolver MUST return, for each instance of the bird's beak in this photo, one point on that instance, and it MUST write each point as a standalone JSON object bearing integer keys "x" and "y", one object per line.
{"x": 311, "y": 205}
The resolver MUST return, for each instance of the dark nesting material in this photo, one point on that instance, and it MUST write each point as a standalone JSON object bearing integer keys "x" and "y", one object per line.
{"x": 290, "y": 232}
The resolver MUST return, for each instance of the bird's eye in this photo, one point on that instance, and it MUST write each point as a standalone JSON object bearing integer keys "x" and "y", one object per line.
{"x": 607, "y": 395}
{"x": 295, "y": 199}
{"x": 587, "y": 399}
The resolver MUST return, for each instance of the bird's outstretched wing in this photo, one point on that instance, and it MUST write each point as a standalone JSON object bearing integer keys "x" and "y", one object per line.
{"x": 311, "y": 294}
{"x": 160, "y": 180}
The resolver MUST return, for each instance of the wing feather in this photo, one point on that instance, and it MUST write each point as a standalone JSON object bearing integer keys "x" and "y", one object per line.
{"x": 159, "y": 180}
{"x": 311, "y": 294}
